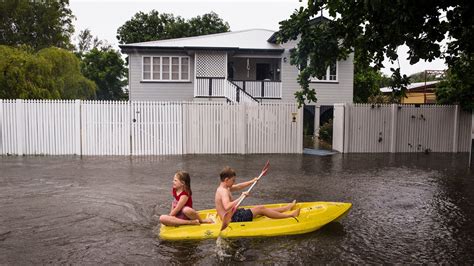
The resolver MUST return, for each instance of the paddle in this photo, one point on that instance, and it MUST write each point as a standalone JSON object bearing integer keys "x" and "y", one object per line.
{"x": 228, "y": 215}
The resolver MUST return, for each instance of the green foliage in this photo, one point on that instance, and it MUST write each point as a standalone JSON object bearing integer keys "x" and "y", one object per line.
{"x": 39, "y": 24}
{"x": 380, "y": 98}
{"x": 367, "y": 80}
{"x": 377, "y": 28}
{"x": 87, "y": 42}
{"x": 155, "y": 26}
{"x": 52, "y": 73}
{"x": 107, "y": 69}
{"x": 459, "y": 85}
{"x": 207, "y": 24}
{"x": 325, "y": 132}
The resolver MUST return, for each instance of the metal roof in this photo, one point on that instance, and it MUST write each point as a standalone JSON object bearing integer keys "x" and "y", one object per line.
{"x": 246, "y": 39}
{"x": 412, "y": 86}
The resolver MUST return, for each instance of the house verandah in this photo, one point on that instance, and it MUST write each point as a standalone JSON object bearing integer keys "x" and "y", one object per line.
{"x": 238, "y": 77}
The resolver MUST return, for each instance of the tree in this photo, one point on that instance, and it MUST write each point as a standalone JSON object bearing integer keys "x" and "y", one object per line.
{"x": 107, "y": 69}
{"x": 459, "y": 84}
{"x": 86, "y": 42}
{"x": 367, "y": 80}
{"x": 155, "y": 26}
{"x": 39, "y": 24}
{"x": 377, "y": 28}
{"x": 52, "y": 73}
{"x": 66, "y": 76}
{"x": 207, "y": 24}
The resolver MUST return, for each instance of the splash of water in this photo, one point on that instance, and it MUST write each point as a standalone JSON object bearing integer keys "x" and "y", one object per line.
{"x": 221, "y": 246}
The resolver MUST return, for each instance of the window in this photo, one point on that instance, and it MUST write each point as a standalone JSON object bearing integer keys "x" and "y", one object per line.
{"x": 146, "y": 68}
{"x": 165, "y": 68}
{"x": 330, "y": 76}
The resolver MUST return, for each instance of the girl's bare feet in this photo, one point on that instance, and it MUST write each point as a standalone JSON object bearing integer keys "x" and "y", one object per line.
{"x": 207, "y": 221}
{"x": 194, "y": 222}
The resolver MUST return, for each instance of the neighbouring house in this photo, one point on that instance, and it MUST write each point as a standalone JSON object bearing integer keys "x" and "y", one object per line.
{"x": 241, "y": 66}
{"x": 417, "y": 93}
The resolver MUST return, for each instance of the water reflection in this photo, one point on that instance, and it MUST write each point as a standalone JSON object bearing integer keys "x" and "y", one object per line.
{"x": 407, "y": 208}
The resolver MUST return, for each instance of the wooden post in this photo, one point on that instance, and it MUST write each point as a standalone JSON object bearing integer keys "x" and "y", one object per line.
{"x": 393, "y": 131}
{"x": 456, "y": 128}
{"x": 345, "y": 127}
{"x": 20, "y": 127}
{"x": 300, "y": 130}
{"x": 77, "y": 127}
{"x": 338, "y": 128}
{"x": 243, "y": 128}
{"x": 317, "y": 120}
{"x": 210, "y": 86}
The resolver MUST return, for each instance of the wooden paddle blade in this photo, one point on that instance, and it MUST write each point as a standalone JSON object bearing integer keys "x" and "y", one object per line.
{"x": 227, "y": 219}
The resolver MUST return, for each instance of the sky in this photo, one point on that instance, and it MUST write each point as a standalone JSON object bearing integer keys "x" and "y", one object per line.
{"x": 104, "y": 17}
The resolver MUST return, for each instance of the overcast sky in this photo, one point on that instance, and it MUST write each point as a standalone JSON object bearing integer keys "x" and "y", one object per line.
{"x": 104, "y": 17}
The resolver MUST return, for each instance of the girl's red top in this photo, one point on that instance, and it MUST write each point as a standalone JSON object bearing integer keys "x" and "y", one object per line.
{"x": 188, "y": 203}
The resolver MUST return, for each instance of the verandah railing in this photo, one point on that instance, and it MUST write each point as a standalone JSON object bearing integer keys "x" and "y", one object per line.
{"x": 261, "y": 89}
{"x": 218, "y": 87}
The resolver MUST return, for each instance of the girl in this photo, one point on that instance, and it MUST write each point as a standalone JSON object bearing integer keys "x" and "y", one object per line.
{"x": 182, "y": 211}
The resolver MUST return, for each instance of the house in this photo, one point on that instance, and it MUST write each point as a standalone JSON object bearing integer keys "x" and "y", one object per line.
{"x": 240, "y": 66}
{"x": 417, "y": 93}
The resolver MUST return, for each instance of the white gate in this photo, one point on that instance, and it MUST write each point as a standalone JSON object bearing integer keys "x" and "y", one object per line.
{"x": 105, "y": 128}
{"x": 157, "y": 128}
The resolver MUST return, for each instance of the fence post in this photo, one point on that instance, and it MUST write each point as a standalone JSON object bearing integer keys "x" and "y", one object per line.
{"x": 393, "y": 132}
{"x": 20, "y": 129}
{"x": 456, "y": 128}
{"x": 346, "y": 126}
{"x": 184, "y": 127}
{"x": 300, "y": 129}
{"x": 317, "y": 121}
{"x": 243, "y": 127}
{"x": 338, "y": 128}
{"x": 77, "y": 126}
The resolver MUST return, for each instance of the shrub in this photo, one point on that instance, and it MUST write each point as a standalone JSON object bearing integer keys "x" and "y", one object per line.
{"x": 325, "y": 132}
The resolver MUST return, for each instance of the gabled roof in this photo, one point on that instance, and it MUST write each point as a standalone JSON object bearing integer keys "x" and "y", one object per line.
{"x": 253, "y": 39}
{"x": 415, "y": 86}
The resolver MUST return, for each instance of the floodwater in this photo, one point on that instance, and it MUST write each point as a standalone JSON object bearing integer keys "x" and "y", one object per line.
{"x": 407, "y": 208}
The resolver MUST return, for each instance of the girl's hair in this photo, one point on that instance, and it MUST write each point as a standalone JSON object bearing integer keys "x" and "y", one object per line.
{"x": 184, "y": 177}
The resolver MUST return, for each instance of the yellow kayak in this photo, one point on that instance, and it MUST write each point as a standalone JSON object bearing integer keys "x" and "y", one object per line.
{"x": 313, "y": 216}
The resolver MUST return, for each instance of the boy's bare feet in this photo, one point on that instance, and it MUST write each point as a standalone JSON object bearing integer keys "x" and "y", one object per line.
{"x": 290, "y": 206}
{"x": 295, "y": 213}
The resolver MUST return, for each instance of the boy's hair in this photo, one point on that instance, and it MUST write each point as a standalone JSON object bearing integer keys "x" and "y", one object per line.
{"x": 227, "y": 172}
{"x": 184, "y": 177}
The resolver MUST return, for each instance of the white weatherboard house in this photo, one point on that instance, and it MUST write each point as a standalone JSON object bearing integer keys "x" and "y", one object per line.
{"x": 240, "y": 66}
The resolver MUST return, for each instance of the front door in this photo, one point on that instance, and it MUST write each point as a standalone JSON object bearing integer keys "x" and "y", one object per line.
{"x": 263, "y": 72}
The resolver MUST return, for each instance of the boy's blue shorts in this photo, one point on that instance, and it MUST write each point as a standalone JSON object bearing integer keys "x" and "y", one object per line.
{"x": 242, "y": 215}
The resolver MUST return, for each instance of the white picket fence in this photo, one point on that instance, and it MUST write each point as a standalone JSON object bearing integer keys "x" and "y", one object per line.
{"x": 43, "y": 127}
{"x": 400, "y": 128}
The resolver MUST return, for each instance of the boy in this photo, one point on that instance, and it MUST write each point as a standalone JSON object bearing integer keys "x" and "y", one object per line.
{"x": 224, "y": 202}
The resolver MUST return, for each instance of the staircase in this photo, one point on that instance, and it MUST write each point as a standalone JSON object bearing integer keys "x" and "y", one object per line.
{"x": 235, "y": 94}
